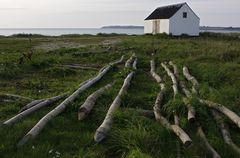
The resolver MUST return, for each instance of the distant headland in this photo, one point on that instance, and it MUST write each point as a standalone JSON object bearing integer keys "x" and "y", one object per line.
{"x": 122, "y": 27}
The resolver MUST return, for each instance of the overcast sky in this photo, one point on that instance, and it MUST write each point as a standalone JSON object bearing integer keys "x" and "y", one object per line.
{"x": 97, "y": 13}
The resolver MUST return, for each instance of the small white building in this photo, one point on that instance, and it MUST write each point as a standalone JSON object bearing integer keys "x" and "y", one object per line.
{"x": 174, "y": 19}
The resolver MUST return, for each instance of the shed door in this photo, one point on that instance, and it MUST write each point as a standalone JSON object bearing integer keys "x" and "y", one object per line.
{"x": 156, "y": 26}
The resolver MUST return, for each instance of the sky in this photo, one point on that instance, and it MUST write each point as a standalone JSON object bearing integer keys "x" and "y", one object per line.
{"x": 98, "y": 13}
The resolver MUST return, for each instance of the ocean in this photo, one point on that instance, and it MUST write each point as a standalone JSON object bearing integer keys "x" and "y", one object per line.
{"x": 65, "y": 31}
{"x": 92, "y": 31}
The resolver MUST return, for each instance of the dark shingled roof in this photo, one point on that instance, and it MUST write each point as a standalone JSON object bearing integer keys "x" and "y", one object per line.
{"x": 165, "y": 12}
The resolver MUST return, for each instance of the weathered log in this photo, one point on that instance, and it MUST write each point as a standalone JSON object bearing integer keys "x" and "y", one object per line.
{"x": 189, "y": 77}
{"x": 205, "y": 141}
{"x": 103, "y": 129}
{"x": 153, "y": 73}
{"x": 14, "y": 96}
{"x": 90, "y": 102}
{"x": 225, "y": 131}
{"x": 31, "y": 110}
{"x": 130, "y": 60}
{"x": 172, "y": 76}
{"x": 74, "y": 66}
{"x": 60, "y": 108}
{"x": 182, "y": 135}
{"x": 134, "y": 65}
{"x": 31, "y": 104}
{"x": 221, "y": 108}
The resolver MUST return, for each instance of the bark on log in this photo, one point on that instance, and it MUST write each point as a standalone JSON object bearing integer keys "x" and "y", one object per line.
{"x": 79, "y": 67}
{"x": 14, "y": 96}
{"x": 173, "y": 78}
{"x": 207, "y": 145}
{"x": 221, "y": 108}
{"x": 185, "y": 139}
{"x": 225, "y": 131}
{"x": 153, "y": 72}
{"x": 130, "y": 60}
{"x": 31, "y": 110}
{"x": 191, "y": 78}
{"x": 90, "y": 102}
{"x": 60, "y": 108}
{"x": 101, "y": 132}
{"x": 31, "y": 104}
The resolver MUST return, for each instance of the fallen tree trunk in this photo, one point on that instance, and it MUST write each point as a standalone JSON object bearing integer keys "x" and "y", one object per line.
{"x": 130, "y": 60}
{"x": 14, "y": 96}
{"x": 185, "y": 139}
{"x": 153, "y": 73}
{"x": 221, "y": 108}
{"x": 172, "y": 76}
{"x": 205, "y": 141}
{"x": 31, "y": 104}
{"x": 75, "y": 66}
{"x": 60, "y": 108}
{"x": 225, "y": 131}
{"x": 101, "y": 132}
{"x": 189, "y": 77}
{"x": 90, "y": 102}
{"x": 31, "y": 110}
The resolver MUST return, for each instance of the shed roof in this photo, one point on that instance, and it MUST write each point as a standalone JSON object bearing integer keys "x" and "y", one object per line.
{"x": 165, "y": 12}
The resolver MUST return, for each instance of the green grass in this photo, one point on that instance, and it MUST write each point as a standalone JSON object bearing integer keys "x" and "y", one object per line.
{"x": 213, "y": 59}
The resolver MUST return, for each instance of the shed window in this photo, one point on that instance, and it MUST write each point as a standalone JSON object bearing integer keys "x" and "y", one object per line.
{"x": 184, "y": 14}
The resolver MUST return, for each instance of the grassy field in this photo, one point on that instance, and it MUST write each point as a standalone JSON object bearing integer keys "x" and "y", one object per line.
{"x": 213, "y": 59}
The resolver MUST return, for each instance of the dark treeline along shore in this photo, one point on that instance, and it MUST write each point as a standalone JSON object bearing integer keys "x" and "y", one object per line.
{"x": 116, "y": 95}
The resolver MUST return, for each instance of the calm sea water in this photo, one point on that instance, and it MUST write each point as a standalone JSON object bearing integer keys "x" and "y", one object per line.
{"x": 92, "y": 31}
{"x": 64, "y": 31}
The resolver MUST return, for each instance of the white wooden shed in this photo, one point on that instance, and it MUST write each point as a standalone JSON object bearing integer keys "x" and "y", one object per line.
{"x": 176, "y": 19}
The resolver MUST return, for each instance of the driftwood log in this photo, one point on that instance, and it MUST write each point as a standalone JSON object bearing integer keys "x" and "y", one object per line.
{"x": 191, "y": 115}
{"x": 15, "y": 97}
{"x": 206, "y": 143}
{"x": 31, "y": 104}
{"x": 33, "y": 109}
{"x": 182, "y": 135}
{"x": 225, "y": 131}
{"x": 103, "y": 129}
{"x": 60, "y": 108}
{"x": 130, "y": 60}
{"x": 189, "y": 77}
{"x": 78, "y": 66}
{"x": 90, "y": 102}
